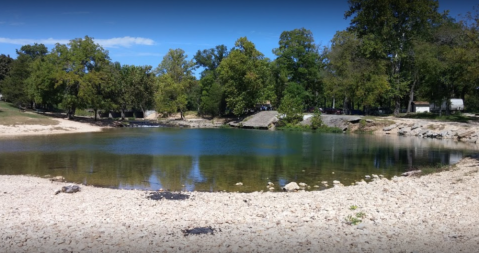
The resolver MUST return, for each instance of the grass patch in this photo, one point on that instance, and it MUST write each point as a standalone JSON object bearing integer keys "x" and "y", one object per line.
{"x": 306, "y": 128}
{"x": 12, "y": 116}
{"x": 435, "y": 168}
{"x": 456, "y": 117}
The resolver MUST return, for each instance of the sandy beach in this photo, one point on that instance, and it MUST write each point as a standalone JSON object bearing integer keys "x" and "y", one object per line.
{"x": 64, "y": 126}
{"x": 432, "y": 213}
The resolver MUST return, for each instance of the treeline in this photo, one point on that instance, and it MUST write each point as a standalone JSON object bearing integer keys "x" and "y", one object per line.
{"x": 394, "y": 52}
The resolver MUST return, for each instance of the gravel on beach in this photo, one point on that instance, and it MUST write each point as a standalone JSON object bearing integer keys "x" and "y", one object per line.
{"x": 433, "y": 213}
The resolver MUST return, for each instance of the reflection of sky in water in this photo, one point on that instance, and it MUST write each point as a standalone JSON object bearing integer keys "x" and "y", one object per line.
{"x": 191, "y": 157}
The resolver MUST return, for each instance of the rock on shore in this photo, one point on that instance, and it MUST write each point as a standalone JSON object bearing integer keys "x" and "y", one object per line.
{"x": 433, "y": 213}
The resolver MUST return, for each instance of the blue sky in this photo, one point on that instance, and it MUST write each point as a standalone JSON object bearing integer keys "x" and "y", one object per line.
{"x": 142, "y": 32}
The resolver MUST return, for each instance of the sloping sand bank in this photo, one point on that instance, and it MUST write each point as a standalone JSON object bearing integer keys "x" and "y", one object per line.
{"x": 64, "y": 126}
{"x": 434, "y": 213}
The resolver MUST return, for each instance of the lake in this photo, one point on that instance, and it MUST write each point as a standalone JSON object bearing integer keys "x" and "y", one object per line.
{"x": 216, "y": 159}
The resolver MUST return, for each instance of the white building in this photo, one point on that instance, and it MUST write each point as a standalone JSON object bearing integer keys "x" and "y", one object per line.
{"x": 420, "y": 106}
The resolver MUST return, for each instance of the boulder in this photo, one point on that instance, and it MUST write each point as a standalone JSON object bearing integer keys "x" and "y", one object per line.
{"x": 389, "y": 128}
{"x": 71, "y": 189}
{"x": 465, "y": 133}
{"x": 293, "y": 186}
{"x": 239, "y": 184}
{"x": 416, "y": 126}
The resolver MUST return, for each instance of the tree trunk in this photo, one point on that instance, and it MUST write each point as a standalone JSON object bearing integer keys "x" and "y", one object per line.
{"x": 71, "y": 112}
{"x": 96, "y": 113}
{"x": 346, "y": 106}
{"x": 122, "y": 111}
{"x": 411, "y": 97}
{"x": 397, "y": 105}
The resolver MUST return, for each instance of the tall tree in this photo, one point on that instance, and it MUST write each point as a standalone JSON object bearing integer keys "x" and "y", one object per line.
{"x": 298, "y": 61}
{"x": 13, "y": 87}
{"x": 41, "y": 84}
{"x": 393, "y": 24}
{"x": 82, "y": 74}
{"x": 350, "y": 76}
{"x": 5, "y": 66}
{"x": 212, "y": 100}
{"x": 175, "y": 80}
{"x": 245, "y": 76}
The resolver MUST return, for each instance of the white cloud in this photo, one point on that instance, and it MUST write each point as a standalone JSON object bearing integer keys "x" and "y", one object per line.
{"x": 126, "y": 41}
{"x": 49, "y": 41}
{"x": 113, "y": 42}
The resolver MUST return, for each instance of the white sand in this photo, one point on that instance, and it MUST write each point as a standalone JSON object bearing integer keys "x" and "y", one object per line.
{"x": 434, "y": 213}
{"x": 64, "y": 126}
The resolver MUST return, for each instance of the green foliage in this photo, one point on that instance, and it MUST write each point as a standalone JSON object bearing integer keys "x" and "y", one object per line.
{"x": 5, "y": 66}
{"x": 298, "y": 61}
{"x": 360, "y": 215}
{"x": 349, "y": 75}
{"x": 41, "y": 84}
{"x": 353, "y": 207}
{"x": 210, "y": 59}
{"x": 211, "y": 96}
{"x": 82, "y": 74}
{"x": 390, "y": 27}
{"x": 245, "y": 76}
{"x": 292, "y": 105}
{"x": 316, "y": 121}
{"x": 175, "y": 81}
{"x": 351, "y": 220}
{"x": 13, "y": 87}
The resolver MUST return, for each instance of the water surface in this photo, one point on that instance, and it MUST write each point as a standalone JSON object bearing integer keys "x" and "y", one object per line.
{"x": 216, "y": 159}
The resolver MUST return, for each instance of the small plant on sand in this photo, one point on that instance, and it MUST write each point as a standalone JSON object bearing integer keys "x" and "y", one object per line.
{"x": 351, "y": 220}
{"x": 360, "y": 215}
{"x": 353, "y": 207}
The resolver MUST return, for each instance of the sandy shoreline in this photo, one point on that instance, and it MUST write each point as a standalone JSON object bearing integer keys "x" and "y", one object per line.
{"x": 433, "y": 213}
{"x": 64, "y": 126}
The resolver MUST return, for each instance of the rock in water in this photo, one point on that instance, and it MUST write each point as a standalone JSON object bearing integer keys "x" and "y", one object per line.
{"x": 71, "y": 189}
{"x": 239, "y": 183}
{"x": 293, "y": 186}
{"x": 302, "y": 185}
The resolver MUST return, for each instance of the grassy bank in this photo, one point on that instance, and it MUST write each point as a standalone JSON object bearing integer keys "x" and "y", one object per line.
{"x": 457, "y": 117}
{"x": 11, "y": 116}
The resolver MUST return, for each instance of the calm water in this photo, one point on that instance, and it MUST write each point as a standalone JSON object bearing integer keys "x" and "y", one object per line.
{"x": 216, "y": 159}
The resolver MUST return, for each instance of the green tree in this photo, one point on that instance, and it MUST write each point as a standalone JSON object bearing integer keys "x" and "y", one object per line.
{"x": 350, "y": 76}
{"x": 82, "y": 74}
{"x": 212, "y": 100}
{"x": 5, "y": 66}
{"x": 13, "y": 87}
{"x": 245, "y": 76}
{"x": 41, "y": 84}
{"x": 391, "y": 26}
{"x": 175, "y": 81}
{"x": 298, "y": 61}
{"x": 292, "y": 105}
